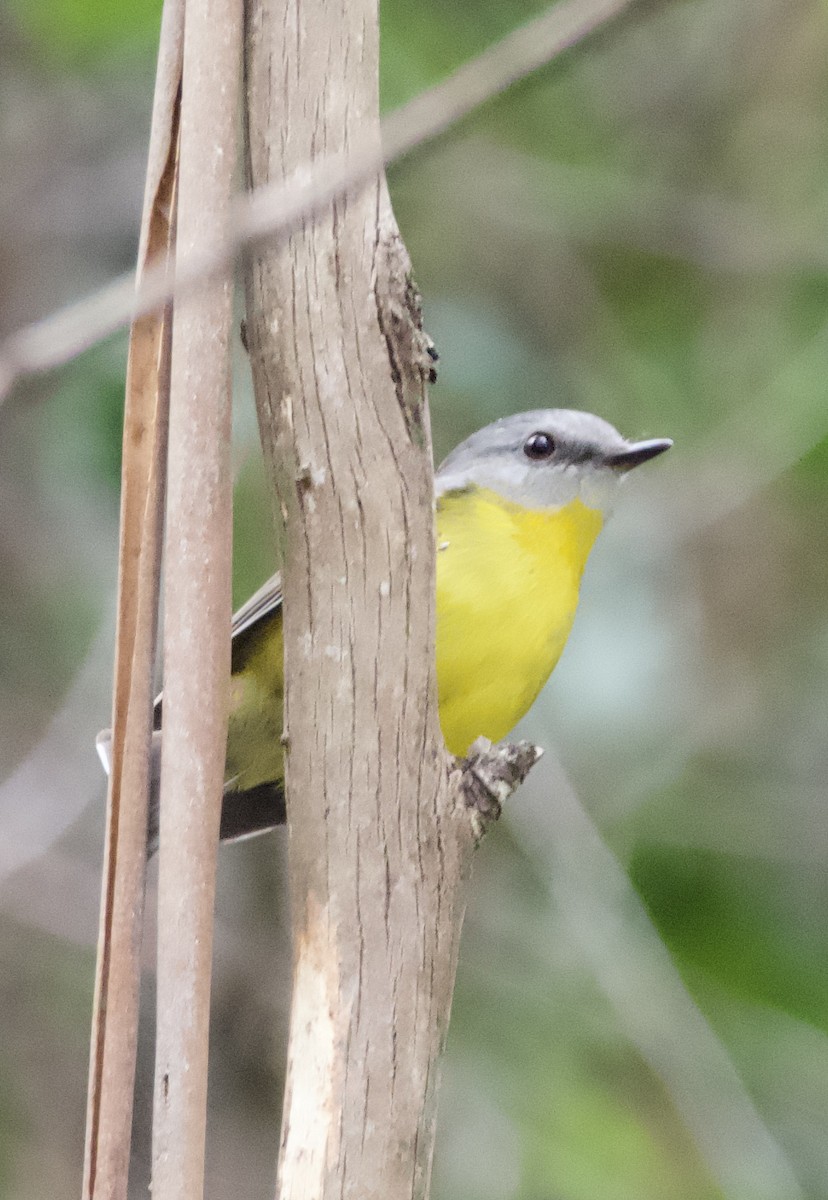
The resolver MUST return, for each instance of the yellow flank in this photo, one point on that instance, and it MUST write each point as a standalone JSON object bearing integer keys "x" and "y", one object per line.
{"x": 254, "y": 737}
{"x": 507, "y": 589}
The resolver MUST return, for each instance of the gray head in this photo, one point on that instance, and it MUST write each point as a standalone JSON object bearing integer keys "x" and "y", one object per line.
{"x": 547, "y": 458}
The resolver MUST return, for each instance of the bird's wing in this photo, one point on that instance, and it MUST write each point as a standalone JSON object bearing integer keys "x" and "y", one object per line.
{"x": 261, "y": 604}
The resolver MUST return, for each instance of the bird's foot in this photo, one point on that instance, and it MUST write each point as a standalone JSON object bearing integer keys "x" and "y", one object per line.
{"x": 490, "y": 774}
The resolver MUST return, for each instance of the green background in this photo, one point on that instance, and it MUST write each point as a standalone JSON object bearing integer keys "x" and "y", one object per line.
{"x": 639, "y": 230}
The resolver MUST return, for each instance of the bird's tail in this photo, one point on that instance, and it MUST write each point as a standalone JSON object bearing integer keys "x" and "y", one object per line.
{"x": 243, "y": 813}
{"x": 103, "y": 744}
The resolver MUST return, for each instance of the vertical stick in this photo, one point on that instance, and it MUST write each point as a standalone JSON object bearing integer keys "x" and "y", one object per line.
{"x": 379, "y": 847}
{"x": 380, "y": 838}
{"x": 197, "y": 606}
{"x": 115, "y": 1017}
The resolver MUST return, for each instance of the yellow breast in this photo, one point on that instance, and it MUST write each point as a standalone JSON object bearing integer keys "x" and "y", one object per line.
{"x": 507, "y": 589}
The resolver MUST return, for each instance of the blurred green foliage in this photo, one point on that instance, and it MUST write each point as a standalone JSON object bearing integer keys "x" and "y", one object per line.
{"x": 638, "y": 230}
{"x": 76, "y": 35}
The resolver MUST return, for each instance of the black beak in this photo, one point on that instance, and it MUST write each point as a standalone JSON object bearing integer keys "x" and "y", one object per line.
{"x": 637, "y": 453}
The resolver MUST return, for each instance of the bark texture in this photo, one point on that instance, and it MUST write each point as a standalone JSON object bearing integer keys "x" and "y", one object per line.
{"x": 380, "y": 841}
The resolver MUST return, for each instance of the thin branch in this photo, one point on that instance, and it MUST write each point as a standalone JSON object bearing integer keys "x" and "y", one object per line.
{"x": 47, "y": 791}
{"x": 197, "y": 606}
{"x": 278, "y": 209}
{"x": 615, "y": 936}
{"x": 115, "y": 1016}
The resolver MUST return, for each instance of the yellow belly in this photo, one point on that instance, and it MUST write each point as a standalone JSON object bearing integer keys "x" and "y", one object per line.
{"x": 507, "y": 590}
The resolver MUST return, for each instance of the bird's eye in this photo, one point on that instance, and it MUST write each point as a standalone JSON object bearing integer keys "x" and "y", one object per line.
{"x": 539, "y": 446}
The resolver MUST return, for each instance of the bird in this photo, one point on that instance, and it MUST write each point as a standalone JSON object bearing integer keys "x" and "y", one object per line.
{"x": 519, "y": 505}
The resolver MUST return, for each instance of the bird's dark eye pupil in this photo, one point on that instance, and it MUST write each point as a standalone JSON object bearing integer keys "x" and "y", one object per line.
{"x": 539, "y": 445}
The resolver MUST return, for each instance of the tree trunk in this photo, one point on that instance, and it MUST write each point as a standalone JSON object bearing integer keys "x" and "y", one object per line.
{"x": 379, "y": 845}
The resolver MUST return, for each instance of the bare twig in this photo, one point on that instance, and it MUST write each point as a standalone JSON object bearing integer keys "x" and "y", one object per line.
{"x": 278, "y": 209}
{"x": 606, "y": 919}
{"x": 48, "y": 790}
{"x": 197, "y": 607}
{"x": 115, "y": 1018}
